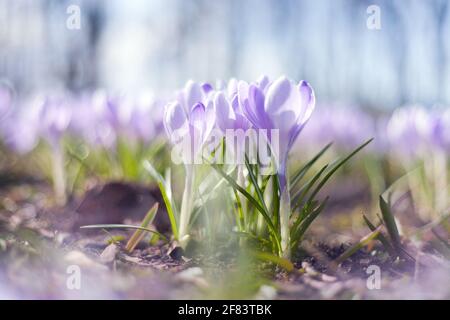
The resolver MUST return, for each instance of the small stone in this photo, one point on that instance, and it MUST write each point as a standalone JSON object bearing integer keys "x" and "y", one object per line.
{"x": 109, "y": 254}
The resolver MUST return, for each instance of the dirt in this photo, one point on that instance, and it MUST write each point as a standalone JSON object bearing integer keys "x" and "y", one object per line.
{"x": 38, "y": 241}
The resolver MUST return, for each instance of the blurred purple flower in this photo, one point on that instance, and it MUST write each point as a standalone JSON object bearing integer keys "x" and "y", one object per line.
{"x": 409, "y": 132}
{"x": 54, "y": 118}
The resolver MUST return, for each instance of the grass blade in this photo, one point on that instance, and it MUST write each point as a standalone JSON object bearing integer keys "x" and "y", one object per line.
{"x": 335, "y": 168}
{"x": 300, "y": 195}
{"x": 252, "y": 200}
{"x": 357, "y": 246}
{"x": 170, "y": 205}
{"x": 254, "y": 181}
{"x": 391, "y": 226}
{"x": 384, "y": 241}
{"x": 139, "y": 233}
{"x": 303, "y": 224}
{"x": 123, "y": 226}
{"x": 303, "y": 170}
{"x": 282, "y": 262}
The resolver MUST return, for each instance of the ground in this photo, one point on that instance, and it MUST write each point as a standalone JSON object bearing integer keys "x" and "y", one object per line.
{"x": 39, "y": 241}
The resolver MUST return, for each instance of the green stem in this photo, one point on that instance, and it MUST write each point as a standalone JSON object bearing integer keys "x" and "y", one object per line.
{"x": 186, "y": 206}
{"x": 285, "y": 212}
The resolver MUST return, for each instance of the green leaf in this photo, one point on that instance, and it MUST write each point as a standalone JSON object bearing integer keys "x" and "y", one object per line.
{"x": 357, "y": 246}
{"x": 304, "y": 223}
{"x": 254, "y": 182}
{"x": 122, "y": 226}
{"x": 303, "y": 170}
{"x": 170, "y": 210}
{"x": 249, "y": 235}
{"x": 253, "y": 201}
{"x": 391, "y": 226}
{"x": 381, "y": 238}
{"x": 276, "y": 201}
{"x": 282, "y": 262}
{"x": 335, "y": 168}
{"x": 139, "y": 233}
{"x": 301, "y": 194}
{"x": 170, "y": 205}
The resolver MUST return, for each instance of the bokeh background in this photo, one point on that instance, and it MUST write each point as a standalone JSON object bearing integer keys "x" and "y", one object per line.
{"x": 132, "y": 45}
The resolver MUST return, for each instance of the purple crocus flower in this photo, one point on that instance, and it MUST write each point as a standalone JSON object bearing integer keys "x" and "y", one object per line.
{"x": 91, "y": 120}
{"x": 21, "y": 133}
{"x": 55, "y": 117}
{"x": 189, "y": 120}
{"x": 229, "y": 114}
{"x": 285, "y": 107}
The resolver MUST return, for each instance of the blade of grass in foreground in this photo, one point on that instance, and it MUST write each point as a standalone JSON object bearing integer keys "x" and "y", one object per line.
{"x": 335, "y": 168}
{"x": 282, "y": 262}
{"x": 254, "y": 181}
{"x": 170, "y": 206}
{"x": 139, "y": 233}
{"x": 253, "y": 201}
{"x": 301, "y": 194}
{"x": 123, "y": 226}
{"x": 381, "y": 237}
{"x": 303, "y": 170}
{"x": 391, "y": 226}
{"x": 357, "y": 246}
{"x": 302, "y": 225}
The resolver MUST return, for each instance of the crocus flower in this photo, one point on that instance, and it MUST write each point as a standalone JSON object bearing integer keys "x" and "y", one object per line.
{"x": 285, "y": 107}
{"x": 55, "y": 117}
{"x": 189, "y": 120}
{"x": 229, "y": 114}
{"x": 21, "y": 133}
{"x": 92, "y": 122}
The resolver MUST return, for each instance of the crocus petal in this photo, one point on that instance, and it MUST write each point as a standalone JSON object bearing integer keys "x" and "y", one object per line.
{"x": 232, "y": 88}
{"x": 207, "y": 88}
{"x": 308, "y": 101}
{"x": 174, "y": 118}
{"x": 193, "y": 94}
{"x": 263, "y": 82}
{"x": 197, "y": 116}
{"x": 256, "y": 102}
{"x": 283, "y": 104}
{"x": 224, "y": 113}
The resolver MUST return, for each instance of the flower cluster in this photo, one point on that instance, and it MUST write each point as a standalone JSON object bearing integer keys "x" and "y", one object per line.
{"x": 96, "y": 118}
{"x": 243, "y": 131}
{"x": 281, "y": 107}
